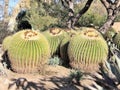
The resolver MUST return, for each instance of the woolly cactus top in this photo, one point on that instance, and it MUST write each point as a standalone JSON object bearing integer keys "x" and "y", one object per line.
{"x": 30, "y": 35}
{"x": 90, "y": 33}
{"x": 55, "y": 31}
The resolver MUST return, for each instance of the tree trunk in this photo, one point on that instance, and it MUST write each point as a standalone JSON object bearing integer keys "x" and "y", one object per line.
{"x": 71, "y": 14}
{"x": 112, "y": 11}
{"x": 6, "y": 2}
{"x": 84, "y": 10}
{"x": 109, "y": 22}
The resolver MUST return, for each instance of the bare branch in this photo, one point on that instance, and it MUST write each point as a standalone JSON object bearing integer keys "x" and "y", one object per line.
{"x": 105, "y": 3}
{"x": 81, "y": 12}
{"x": 63, "y": 3}
{"x": 116, "y": 2}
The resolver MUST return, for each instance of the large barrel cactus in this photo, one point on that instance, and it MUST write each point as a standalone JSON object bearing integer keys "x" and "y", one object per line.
{"x": 28, "y": 52}
{"x": 6, "y": 43}
{"x": 87, "y": 50}
{"x": 55, "y": 36}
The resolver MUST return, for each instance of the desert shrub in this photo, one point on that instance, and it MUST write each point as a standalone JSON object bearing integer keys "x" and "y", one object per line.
{"x": 55, "y": 61}
{"x": 91, "y": 19}
{"x": 117, "y": 18}
{"x": 96, "y": 15}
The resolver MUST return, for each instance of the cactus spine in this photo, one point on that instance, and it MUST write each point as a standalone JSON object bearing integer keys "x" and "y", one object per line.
{"x": 29, "y": 50}
{"x": 87, "y": 49}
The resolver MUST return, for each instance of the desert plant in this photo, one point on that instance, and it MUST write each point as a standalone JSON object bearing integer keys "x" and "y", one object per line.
{"x": 87, "y": 50}
{"x": 54, "y": 36}
{"x": 76, "y": 74}
{"x": 28, "y": 52}
{"x": 116, "y": 40}
{"x": 55, "y": 61}
{"x": 6, "y": 42}
{"x": 110, "y": 34}
{"x": 109, "y": 75}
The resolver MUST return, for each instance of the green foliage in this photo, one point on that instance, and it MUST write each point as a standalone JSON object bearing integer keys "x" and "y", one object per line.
{"x": 87, "y": 50}
{"x": 109, "y": 34}
{"x": 55, "y": 61}
{"x": 91, "y": 19}
{"x": 42, "y": 16}
{"x": 28, "y": 52}
{"x": 76, "y": 74}
{"x": 116, "y": 40}
{"x": 95, "y": 16}
{"x": 117, "y": 18}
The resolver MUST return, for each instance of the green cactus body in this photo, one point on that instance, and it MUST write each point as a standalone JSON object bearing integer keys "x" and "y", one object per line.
{"x": 28, "y": 52}
{"x": 87, "y": 49}
{"x": 6, "y": 43}
{"x": 116, "y": 40}
{"x": 55, "y": 36}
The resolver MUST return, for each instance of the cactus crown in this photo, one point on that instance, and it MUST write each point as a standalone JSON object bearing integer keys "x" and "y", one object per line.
{"x": 30, "y": 35}
{"x": 55, "y": 31}
{"x": 90, "y": 33}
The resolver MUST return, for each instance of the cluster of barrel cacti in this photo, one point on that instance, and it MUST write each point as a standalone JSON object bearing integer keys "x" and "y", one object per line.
{"x": 29, "y": 50}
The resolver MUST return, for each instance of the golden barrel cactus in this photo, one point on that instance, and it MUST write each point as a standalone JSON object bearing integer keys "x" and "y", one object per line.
{"x": 6, "y": 43}
{"x": 87, "y": 50}
{"x": 28, "y": 52}
{"x": 55, "y": 36}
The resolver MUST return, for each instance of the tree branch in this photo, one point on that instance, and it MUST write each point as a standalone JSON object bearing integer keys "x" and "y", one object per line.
{"x": 63, "y": 3}
{"x": 106, "y": 4}
{"x": 81, "y": 12}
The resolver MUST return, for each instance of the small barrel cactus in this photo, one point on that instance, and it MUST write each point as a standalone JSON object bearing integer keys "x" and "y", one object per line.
{"x": 6, "y": 43}
{"x": 28, "y": 52}
{"x": 87, "y": 50}
{"x": 116, "y": 40}
{"x": 55, "y": 36}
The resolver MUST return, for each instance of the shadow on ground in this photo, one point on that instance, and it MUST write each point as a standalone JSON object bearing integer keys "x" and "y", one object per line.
{"x": 57, "y": 83}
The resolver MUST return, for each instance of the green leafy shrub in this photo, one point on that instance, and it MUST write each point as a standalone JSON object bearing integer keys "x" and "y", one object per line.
{"x": 91, "y": 19}
{"x": 55, "y": 61}
{"x": 110, "y": 33}
{"x": 28, "y": 52}
{"x": 116, "y": 40}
